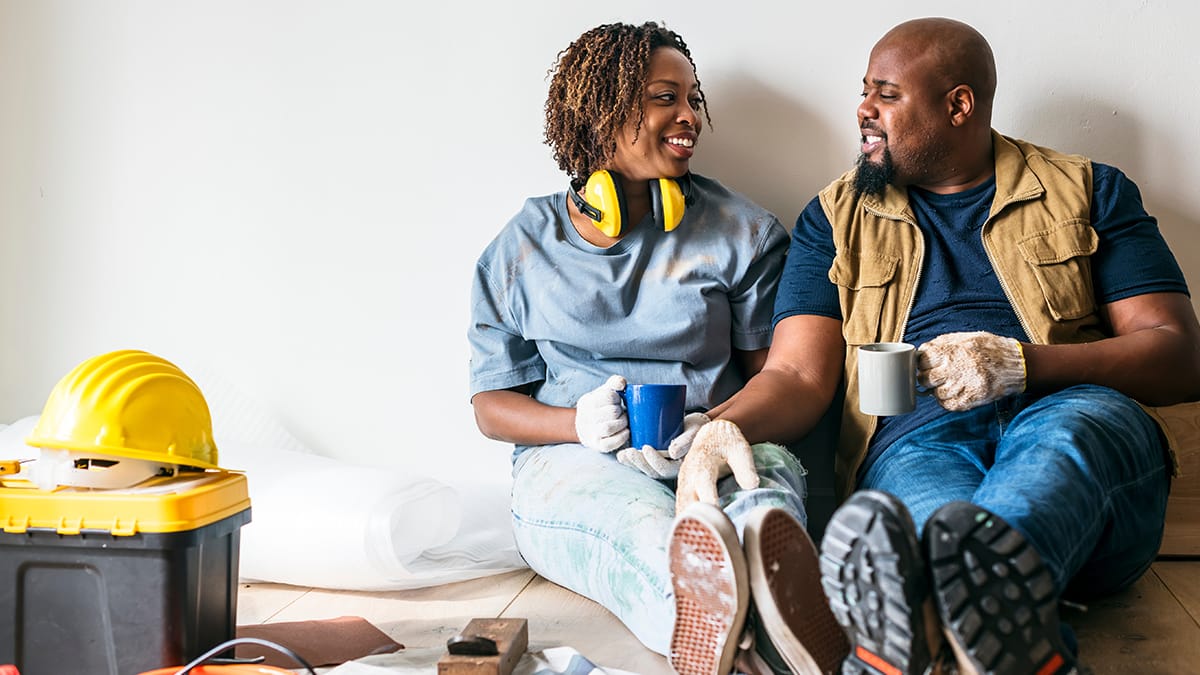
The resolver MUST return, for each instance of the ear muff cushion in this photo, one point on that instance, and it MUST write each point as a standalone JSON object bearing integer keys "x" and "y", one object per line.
{"x": 668, "y": 202}
{"x": 603, "y": 191}
{"x": 656, "y": 202}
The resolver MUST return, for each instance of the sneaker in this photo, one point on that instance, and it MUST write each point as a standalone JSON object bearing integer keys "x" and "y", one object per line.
{"x": 994, "y": 595}
{"x": 785, "y": 582}
{"x": 708, "y": 572}
{"x": 874, "y": 575}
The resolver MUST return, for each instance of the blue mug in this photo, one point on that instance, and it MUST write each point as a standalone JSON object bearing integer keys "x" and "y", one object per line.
{"x": 655, "y": 413}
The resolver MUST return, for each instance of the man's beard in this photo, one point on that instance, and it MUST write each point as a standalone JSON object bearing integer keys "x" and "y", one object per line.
{"x": 871, "y": 178}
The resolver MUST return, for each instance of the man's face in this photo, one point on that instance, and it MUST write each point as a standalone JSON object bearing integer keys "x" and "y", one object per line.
{"x": 671, "y": 123}
{"x": 902, "y": 119}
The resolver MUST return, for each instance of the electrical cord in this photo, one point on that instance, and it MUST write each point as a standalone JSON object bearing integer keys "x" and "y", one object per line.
{"x": 243, "y": 641}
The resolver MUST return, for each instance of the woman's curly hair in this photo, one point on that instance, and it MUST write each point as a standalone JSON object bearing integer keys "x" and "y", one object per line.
{"x": 596, "y": 84}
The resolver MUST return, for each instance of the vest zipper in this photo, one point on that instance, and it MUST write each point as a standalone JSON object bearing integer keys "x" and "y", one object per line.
{"x": 912, "y": 296}
{"x": 1000, "y": 277}
{"x": 920, "y": 267}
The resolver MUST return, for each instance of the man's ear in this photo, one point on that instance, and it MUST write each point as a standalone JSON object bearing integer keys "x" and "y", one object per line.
{"x": 961, "y": 104}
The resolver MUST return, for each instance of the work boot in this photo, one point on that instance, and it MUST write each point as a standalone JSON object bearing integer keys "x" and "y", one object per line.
{"x": 873, "y": 572}
{"x": 785, "y": 582}
{"x": 708, "y": 573}
{"x": 994, "y": 595}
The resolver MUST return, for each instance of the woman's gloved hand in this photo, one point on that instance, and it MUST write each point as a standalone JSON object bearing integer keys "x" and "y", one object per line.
{"x": 600, "y": 419}
{"x": 653, "y": 463}
{"x": 665, "y": 463}
{"x": 692, "y": 422}
{"x": 718, "y": 449}
{"x": 967, "y": 370}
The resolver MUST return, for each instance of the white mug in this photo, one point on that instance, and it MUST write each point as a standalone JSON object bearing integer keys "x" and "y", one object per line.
{"x": 887, "y": 378}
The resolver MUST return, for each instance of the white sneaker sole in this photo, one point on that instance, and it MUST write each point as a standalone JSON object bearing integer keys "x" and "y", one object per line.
{"x": 785, "y": 582}
{"x": 708, "y": 572}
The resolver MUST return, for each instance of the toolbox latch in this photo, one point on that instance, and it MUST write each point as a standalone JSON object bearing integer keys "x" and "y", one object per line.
{"x": 16, "y": 525}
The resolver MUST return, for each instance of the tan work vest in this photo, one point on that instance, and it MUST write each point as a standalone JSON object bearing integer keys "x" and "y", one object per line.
{"x": 1038, "y": 237}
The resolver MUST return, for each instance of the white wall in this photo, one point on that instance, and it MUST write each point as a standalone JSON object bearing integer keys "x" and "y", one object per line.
{"x": 293, "y": 193}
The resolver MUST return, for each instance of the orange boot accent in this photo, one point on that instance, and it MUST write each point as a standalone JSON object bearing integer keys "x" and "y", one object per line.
{"x": 877, "y": 663}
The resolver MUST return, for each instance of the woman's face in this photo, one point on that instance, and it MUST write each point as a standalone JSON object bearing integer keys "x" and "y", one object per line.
{"x": 664, "y": 144}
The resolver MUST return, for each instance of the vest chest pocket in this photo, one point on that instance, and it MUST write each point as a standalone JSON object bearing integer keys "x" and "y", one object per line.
{"x": 862, "y": 283}
{"x": 1060, "y": 261}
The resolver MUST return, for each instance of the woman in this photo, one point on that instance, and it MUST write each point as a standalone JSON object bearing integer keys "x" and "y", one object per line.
{"x": 590, "y": 288}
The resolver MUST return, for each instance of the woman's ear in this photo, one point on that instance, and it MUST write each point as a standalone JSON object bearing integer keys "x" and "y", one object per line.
{"x": 961, "y": 104}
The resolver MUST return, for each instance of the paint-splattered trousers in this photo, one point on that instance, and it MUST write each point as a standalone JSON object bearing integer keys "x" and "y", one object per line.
{"x": 599, "y": 528}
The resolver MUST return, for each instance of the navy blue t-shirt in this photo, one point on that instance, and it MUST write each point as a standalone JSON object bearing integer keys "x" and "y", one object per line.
{"x": 959, "y": 291}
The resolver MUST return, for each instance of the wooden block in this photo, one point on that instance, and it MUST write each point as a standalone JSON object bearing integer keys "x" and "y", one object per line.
{"x": 511, "y": 637}
{"x": 1182, "y": 534}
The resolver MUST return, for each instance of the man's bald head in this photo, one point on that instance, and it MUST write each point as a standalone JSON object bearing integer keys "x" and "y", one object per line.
{"x": 951, "y": 51}
{"x": 926, "y": 112}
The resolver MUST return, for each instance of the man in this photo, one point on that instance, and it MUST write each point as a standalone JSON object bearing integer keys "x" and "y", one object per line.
{"x": 1048, "y": 312}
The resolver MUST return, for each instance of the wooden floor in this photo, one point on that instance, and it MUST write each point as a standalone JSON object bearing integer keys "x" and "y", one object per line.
{"x": 1154, "y": 627}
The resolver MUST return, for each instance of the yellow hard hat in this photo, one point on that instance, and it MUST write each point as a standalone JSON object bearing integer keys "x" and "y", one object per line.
{"x": 129, "y": 404}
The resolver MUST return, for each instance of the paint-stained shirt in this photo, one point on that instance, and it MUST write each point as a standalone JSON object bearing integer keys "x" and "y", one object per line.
{"x": 550, "y": 310}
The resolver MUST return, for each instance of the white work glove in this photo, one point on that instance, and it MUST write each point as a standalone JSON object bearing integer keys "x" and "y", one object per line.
{"x": 653, "y": 463}
{"x": 718, "y": 449}
{"x": 665, "y": 463}
{"x": 967, "y": 370}
{"x": 683, "y": 442}
{"x": 600, "y": 419}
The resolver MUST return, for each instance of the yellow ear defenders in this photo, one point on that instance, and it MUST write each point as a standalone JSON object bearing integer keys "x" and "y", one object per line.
{"x": 605, "y": 202}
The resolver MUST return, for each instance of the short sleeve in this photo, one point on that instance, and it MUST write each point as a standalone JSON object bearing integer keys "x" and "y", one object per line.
{"x": 753, "y": 300}
{"x": 1132, "y": 257}
{"x": 805, "y": 287}
{"x": 501, "y": 358}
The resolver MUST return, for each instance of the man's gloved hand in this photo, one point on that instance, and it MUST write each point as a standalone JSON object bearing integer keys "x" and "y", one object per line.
{"x": 680, "y": 445}
{"x": 600, "y": 419}
{"x": 967, "y": 370}
{"x": 718, "y": 449}
{"x": 653, "y": 463}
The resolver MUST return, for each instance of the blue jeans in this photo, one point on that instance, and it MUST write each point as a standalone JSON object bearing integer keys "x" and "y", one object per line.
{"x": 593, "y": 525}
{"x": 1082, "y": 473}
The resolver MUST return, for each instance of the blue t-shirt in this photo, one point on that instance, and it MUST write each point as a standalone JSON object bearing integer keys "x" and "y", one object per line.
{"x": 959, "y": 290}
{"x": 551, "y": 310}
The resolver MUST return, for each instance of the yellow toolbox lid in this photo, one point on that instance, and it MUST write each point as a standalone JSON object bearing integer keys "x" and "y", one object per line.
{"x": 166, "y": 504}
